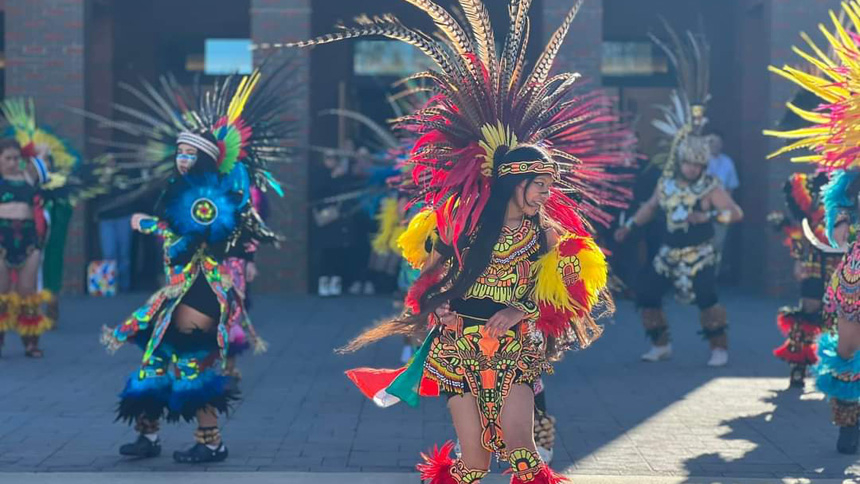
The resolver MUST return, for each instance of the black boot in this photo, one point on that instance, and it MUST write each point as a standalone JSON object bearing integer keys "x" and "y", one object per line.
{"x": 201, "y": 453}
{"x": 142, "y": 448}
{"x": 798, "y": 374}
{"x": 848, "y": 438}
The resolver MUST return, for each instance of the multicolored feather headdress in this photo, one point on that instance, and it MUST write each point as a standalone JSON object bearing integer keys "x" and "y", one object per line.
{"x": 684, "y": 119}
{"x": 245, "y": 114}
{"x": 831, "y": 140}
{"x": 63, "y": 175}
{"x": 485, "y": 103}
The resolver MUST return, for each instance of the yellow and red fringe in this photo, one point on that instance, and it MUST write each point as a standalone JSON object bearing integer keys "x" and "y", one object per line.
{"x": 569, "y": 282}
{"x": 32, "y": 320}
{"x": 9, "y": 304}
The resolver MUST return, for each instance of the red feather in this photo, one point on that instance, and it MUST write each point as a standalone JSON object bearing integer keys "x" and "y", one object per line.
{"x": 419, "y": 287}
{"x": 545, "y": 476}
{"x": 436, "y": 466}
{"x": 562, "y": 210}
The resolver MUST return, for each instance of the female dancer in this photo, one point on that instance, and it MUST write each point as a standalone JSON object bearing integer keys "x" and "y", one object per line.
{"x": 205, "y": 216}
{"x": 832, "y": 143}
{"x": 512, "y": 276}
{"x": 26, "y": 184}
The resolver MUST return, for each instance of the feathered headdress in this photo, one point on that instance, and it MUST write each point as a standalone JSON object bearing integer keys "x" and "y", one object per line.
{"x": 61, "y": 173}
{"x": 245, "y": 114}
{"x": 832, "y": 135}
{"x": 831, "y": 139}
{"x": 485, "y": 103}
{"x": 684, "y": 119}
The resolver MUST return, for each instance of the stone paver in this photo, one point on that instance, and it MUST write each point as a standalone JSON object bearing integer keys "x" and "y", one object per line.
{"x": 676, "y": 421}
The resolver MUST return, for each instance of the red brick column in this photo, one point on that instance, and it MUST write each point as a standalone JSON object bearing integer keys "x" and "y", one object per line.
{"x": 45, "y": 60}
{"x": 278, "y": 21}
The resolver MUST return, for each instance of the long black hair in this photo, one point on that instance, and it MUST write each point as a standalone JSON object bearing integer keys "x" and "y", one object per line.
{"x": 476, "y": 251}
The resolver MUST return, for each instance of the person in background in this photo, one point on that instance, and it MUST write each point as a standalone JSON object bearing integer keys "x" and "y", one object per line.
{"x": 721, "y": 167}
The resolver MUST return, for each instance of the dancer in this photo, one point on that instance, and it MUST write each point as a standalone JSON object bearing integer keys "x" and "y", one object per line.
{"x": 209, "y": 151}
{"x": 28, "y": 184}
{"x": 814, "y": 262}
{"x": 828, "y": 139}
{"x": 692, "y": 201}
{"x": 512, "y": 276}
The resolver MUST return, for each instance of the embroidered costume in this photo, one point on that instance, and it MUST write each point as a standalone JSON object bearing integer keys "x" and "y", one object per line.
{"x": 803, "y": 323}
{"x": 829, "y": 140}
{"x": 51, "y": 182}
{"x": 206, "y": 220}
{"x": 687, "y": 259}
{"x": 490, "y": 121}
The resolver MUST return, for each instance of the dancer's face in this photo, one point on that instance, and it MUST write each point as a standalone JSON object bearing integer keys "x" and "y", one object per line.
{"x": 691, "y": 171}
{"x": 532, "y": 194}
{"x": 10, "y": 162}
{"x": 186, "y": 157}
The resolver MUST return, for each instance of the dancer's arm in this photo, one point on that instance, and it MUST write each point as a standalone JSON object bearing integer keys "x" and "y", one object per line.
{"x": 642, "y": 216}
{"x": 727, "y": 211}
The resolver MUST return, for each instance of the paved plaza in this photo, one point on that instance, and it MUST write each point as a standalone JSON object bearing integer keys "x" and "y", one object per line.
{"x": 619, "y": 420}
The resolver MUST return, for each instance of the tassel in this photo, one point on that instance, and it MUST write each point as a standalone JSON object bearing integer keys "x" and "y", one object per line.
{"x": 436, "y": 468}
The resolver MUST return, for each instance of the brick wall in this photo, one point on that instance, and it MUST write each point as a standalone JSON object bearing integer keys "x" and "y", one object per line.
{"x": 787, "y": 19}
{"x": 45, "y": 60}
{"x": 287, "y": 269}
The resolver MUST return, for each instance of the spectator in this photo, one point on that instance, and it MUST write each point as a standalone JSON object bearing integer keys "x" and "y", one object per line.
{"x": 721, "y": 165}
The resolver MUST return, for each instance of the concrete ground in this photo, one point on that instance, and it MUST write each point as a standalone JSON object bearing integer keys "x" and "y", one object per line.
{"x": 619, "y": 420}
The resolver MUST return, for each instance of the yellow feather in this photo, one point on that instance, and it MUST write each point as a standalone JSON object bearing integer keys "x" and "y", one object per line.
{"x": 240, "y": 98}
{"x": 389, "y": 223}
{"x": 811, "y": 116}
{"x": 549, "y": 281}
{"x": 413, "y": 240}
{"x": 594, "y": 270}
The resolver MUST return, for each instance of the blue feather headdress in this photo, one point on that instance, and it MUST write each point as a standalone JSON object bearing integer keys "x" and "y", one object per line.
{"x": 834, "y": 197}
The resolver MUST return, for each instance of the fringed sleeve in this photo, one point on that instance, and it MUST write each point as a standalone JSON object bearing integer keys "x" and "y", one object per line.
{"x": 570, "y": 283}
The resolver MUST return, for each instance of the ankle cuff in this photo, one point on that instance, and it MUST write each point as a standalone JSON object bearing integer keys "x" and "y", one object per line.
{"x": 208, "y": 435}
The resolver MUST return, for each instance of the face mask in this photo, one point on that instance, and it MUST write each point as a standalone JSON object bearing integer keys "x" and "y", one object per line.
{"x": 185, "y": 161}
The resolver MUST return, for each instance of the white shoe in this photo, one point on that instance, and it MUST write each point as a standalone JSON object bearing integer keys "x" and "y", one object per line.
{"x": 369, "y": 289}
{"x": 657, "y": 353}
{"x": 335, "y": 287}
{"x": 324, "y": 286}
{"x": 406, "y": 354}
{"x": 719, "y": 357}
{"x": 354, "y": 288}
{"x": 545, "y": 455}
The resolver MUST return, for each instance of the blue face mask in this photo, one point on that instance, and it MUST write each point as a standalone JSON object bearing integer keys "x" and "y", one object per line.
{"x": 182, "y": 158}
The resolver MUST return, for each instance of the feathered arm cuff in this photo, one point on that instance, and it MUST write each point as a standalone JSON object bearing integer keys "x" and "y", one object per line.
{"x": 569, "y": 282}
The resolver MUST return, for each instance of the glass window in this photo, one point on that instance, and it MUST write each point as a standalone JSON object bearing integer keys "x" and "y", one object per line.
{"x": 388, "y": 58}
{"x": 228, "y": 56}
{"x": 639, "y": 58}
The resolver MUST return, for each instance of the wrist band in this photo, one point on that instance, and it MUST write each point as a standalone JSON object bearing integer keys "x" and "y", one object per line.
{"x": 630, "y": 223}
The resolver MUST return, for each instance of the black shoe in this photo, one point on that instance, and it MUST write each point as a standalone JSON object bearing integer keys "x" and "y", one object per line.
{"x": 200, "y": 453}
{"x": 797, "y": 377}
{"x": 142, "y": 448}
{"x": 848, "y": 437}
